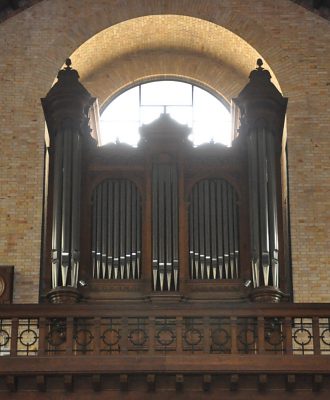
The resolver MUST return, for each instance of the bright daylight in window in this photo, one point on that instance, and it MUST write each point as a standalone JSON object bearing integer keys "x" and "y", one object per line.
{"x": 187, "y": 104}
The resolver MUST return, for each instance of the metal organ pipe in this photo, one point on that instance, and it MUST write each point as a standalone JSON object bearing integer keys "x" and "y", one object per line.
{"x": 110, "y": 228}
{"x": 263, "y": 204}
{"x": 175, "y": 225}
{"x": 214, "y": 230}
{"x": 75, "y": 207}
{"x": 165, "y": 255}
{"x": 161, "y": 225}
{"x": 116, "y": 230}
{"x": 122, "y": 226}
{"x": 272, "y": 205}
{"x": 225, "y": 228}
{"x": 194, "y": 212}
{"x": 168, "y": 225}
{"x": 236, "y": 237}
{"x": 263, "y": 209}
{"x": 254, "y": 207}
{"x": 154, "y": 227}
{"x": 128, "y": 229}
{"x": 207, "y": 229}
{"x": 103, "y": 247}
{"x": 191, "y": 241}
{"x": 201, "y": 230}
{"x": 66, "y": 207}
{"x": 231, "y": 234}
{"x": 138, "y": 225}
{"x": 220, "y": 231}
{"x": 57, "y": 210}
{"x": 98, "y": 231}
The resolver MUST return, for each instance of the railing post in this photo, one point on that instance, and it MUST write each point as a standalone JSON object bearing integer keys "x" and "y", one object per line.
{"x": 179, "y": 323}
{"x": 14, "y": 338}
{"x": 207, "y": 345}
{"x": 151, "y": 334}
{"x": 42, "y": 336}
{"x": 69, "y": 336}
{"x": 261, "y": 335}
{"x": 124, "y": 335}
{"x": 97, "y": 335}
{"x": 233, "y": 328}
{"x": 288, "y": 335}
{"x": 316, "y": 336}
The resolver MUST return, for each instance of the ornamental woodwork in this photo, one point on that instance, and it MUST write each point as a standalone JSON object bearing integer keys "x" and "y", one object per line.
{"x": 165, "y": 220}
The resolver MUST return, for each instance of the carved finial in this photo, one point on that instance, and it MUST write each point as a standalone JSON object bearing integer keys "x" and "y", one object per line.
{"x": 68, "y": 63}
{"x": 259, "y": 63}
{"x": 67, "y": 72}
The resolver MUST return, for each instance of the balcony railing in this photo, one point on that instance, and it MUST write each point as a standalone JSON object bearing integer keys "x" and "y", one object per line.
{"x": 158, "y": 330}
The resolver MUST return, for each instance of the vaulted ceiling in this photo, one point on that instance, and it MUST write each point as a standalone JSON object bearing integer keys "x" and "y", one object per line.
{"x": 9, "y": 8}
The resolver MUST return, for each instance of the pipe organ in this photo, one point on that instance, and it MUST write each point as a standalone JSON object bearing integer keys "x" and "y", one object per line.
{"x": 165, "y": 219}
{"x": 116, "y": 227}
{"x": 213, "y": 231}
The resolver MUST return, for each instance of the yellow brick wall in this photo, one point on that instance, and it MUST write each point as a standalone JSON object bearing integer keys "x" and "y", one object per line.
{"x": 114, "y": 43}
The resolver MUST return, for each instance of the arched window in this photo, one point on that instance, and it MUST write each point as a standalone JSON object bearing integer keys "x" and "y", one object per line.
{"x": 206, "y": 114}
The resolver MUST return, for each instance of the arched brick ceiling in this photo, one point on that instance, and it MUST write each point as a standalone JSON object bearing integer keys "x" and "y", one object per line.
{"x": 8, "y": 8}
{"x": 136, "y": 49}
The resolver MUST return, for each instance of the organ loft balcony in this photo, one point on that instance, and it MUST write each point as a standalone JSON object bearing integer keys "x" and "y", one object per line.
{"x": 143, "y": 348}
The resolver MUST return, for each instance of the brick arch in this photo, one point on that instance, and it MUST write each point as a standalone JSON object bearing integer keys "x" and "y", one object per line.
{"x": 110, "y": 80}
{"x": 120, "y": 50}
{"x": 88, "y": 18}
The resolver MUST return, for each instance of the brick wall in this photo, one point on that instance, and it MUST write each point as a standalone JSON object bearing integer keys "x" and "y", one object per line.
{"x": 115, "y": 43}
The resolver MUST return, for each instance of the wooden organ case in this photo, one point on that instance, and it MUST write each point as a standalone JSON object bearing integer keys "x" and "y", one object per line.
{"x": 165, "y": 221}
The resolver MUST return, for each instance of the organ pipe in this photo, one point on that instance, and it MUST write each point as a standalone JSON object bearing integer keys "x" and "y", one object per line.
{"x": 195, "y": 232}
{"x": 213, "y": 230}
{"x": 66, "y": 208}
{"x": 128, "y": 229}
{"x": 104, "y": 223}
{"x": 135, "y": 234}
{"x": 220, "y": 232}
{"x": 201, "y": 230}
{"x": 175, "y": 225}
{"x": 76, "y": 179}
{"x": 207, "y": 231}
{"x": 263, "y": 203}
{"x": 116, "y": 230}
{"x": 57, "y": 210}
{"x": 109, "y": 232}
{"x": 214, "y": 237}
{"x": 273, "y": 224}
{"x": 165, "y": 255}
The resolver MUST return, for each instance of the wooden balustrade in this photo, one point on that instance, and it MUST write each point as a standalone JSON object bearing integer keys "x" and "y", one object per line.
{"x": 148, "y": 330}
